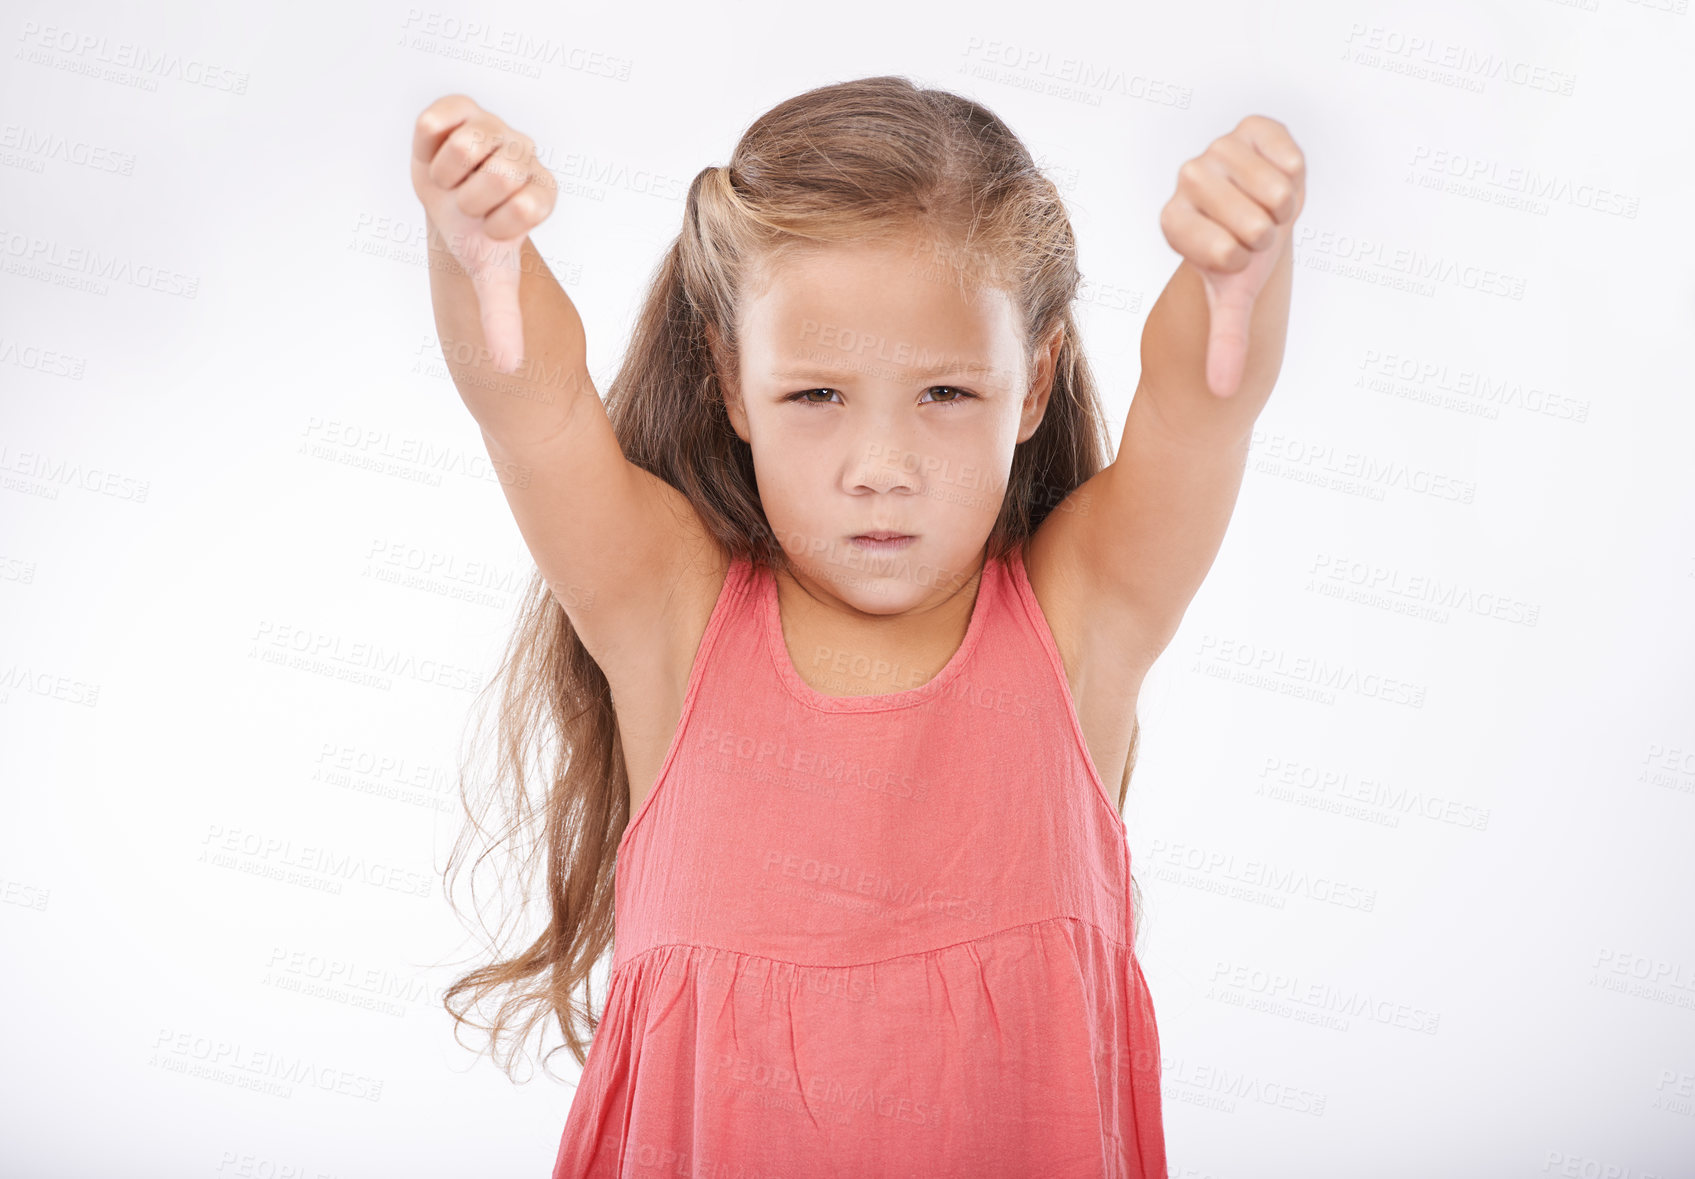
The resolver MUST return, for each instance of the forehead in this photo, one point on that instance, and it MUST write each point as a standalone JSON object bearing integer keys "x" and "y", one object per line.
{"x": 842, "y": 303}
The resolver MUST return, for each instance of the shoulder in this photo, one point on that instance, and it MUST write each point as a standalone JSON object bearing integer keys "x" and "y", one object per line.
{"x": 701, "y": 587}
{"x": 654, "y": 656}
{"x": 1099, "y": 641}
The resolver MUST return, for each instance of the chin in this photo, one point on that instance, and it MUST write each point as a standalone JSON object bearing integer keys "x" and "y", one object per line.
{"x": 864, "y": 579}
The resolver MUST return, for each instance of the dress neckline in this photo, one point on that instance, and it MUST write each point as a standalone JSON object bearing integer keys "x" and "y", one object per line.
{"x": 987, "y": 586}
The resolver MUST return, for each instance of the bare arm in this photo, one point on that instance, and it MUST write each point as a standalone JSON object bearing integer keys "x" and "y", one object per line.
{"x": 1212, "y": 348}
{"x": 537, "y": 400}
{"x": 608, "y": 537}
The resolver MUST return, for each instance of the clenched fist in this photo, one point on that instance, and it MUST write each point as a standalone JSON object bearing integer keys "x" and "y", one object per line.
{"x": 480, "y": 183}
{"x": 1231, "y": 217}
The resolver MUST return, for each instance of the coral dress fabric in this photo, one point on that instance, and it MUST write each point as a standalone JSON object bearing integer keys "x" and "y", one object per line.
{"x": 878, "y": 935}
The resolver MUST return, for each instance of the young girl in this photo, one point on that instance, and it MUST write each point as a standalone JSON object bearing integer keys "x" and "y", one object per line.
{"x": 840, "y": 618}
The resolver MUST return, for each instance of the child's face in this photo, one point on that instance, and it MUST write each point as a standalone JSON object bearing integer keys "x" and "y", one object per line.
{"x": 850, "y": 434}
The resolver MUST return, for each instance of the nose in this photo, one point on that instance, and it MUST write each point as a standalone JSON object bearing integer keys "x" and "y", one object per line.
{"x": 881, "y": 464}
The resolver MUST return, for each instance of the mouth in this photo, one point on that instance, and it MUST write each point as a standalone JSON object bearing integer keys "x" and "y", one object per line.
{"x": 883, "y": 542}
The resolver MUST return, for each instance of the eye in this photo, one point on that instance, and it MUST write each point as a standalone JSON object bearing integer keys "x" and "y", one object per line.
{"x": 806, "y": 393}
{"x": 960, "y": 396}
{"x": 804, "y": 397}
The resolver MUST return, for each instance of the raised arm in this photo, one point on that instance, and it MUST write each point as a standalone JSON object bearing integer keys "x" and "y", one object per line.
{"x": 1145, "y": 531}
{"x": 609, "y": 537}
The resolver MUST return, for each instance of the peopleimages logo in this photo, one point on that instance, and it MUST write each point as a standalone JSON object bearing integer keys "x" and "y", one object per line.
{"x": 866, "y": 882}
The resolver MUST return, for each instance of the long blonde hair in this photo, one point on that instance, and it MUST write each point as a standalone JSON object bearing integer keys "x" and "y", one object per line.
{"x": 870, "y": 158}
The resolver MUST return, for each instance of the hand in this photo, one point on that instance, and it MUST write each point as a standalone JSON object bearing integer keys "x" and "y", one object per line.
{"x": 1231, "y": 218}
{"x": 482, "y": 186}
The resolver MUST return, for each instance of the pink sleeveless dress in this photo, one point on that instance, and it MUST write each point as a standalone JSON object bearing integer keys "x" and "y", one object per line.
{"x": 877, "y": 935}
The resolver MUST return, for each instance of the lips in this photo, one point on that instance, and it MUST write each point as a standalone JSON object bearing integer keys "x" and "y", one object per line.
{"x": 883, "y": 536}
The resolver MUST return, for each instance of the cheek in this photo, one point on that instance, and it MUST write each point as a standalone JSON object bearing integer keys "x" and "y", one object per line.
{"x": 791, "y": 486}
{"x": 784, "y": 430}
{"x": 979, "y": 466}
{"x": 981, "y": 448}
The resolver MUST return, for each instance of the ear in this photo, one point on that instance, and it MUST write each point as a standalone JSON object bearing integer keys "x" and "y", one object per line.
{"x": 727, "y": 383}
{"x": 1044, "y": 367}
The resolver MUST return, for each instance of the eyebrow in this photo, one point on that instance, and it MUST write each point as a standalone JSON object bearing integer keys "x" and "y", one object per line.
{"x": 934, "y": 370}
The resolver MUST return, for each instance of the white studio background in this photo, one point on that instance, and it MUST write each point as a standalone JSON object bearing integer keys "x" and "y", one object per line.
{"x": 1413, "y": 814}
